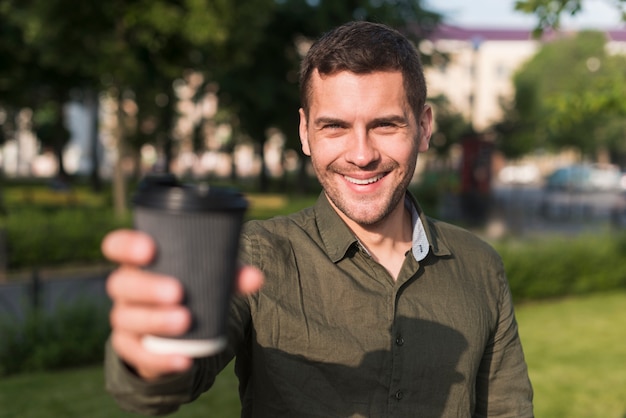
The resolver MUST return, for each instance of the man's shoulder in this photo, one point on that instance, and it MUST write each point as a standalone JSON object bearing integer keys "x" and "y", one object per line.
{"x": 274, "y": 240}
{"x": 458, "y": 240}
{"x": 280, "y": 225}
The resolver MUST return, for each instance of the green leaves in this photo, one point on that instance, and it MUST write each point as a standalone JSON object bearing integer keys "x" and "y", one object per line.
{"x": 567, "y": 95}
{"x": 548, "y": 12}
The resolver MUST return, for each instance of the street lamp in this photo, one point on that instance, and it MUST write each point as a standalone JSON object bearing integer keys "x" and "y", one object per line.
{"x": 476, "y": 42}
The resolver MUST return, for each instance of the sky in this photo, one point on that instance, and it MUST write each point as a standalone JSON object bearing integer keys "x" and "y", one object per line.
{"x": 596, "y": 14}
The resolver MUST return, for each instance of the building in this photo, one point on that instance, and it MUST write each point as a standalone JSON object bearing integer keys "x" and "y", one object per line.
{"x": 481, "y": 63}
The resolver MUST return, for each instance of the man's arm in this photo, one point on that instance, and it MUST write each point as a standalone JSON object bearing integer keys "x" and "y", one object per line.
{"x": 147, "y": 303}
{"x": 167, "y": 393}
{"x": 503, "y": 388}
{"x": 135, "y": 394}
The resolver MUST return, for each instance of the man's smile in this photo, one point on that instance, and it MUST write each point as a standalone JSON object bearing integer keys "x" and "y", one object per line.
{"x": 366, "y": 181}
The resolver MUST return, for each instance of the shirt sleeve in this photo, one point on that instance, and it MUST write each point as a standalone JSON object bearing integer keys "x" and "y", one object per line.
{"x": 503, "y": 388}
{"x": 134, "y": 394}
{"x": 166, "y": 395}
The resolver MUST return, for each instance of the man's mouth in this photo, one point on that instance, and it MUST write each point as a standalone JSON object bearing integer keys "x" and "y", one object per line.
{"x": 363, "y": 182}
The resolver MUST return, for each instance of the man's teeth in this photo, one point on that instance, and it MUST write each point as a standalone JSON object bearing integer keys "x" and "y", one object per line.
{"x": 364, "y": 181}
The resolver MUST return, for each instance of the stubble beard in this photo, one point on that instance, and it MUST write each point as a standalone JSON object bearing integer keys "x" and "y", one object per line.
{"x": 369, "y": 211}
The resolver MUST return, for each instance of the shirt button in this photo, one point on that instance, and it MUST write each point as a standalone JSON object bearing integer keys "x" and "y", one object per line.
{"x": 399, "y": 340}
{"x": 399, "y": 395}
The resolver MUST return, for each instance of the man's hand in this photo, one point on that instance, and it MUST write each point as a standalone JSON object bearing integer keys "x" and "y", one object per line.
{"x": 148, "y": 303}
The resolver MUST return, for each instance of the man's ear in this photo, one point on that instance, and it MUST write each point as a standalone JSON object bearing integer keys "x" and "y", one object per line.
{"x": 304, "y": 133}
{"x": 425, "y": 128}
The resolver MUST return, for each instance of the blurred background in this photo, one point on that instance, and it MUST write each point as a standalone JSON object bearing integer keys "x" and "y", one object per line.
{"x": 529, "y": 151}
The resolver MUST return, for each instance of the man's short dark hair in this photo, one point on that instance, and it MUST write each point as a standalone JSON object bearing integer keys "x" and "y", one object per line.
{"x": 362, "y": 48}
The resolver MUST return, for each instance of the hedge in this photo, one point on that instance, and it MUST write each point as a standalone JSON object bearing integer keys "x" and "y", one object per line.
{"x": 559, "y": 266}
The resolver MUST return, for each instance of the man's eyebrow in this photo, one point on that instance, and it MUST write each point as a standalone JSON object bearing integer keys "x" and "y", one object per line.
{"x": 401, "y": 120}
{"x": 327, "y": 120}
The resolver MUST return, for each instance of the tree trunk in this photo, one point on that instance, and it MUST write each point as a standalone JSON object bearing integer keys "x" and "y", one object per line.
{"x": 59, "y": 138}
{"x": 58, "y": 153}
{"x": 167, "y": 120}
{"x": 303, "y": 176}
{"x": 119, "y": 189}
{"x": 264, "y": 181}
{"x": 93, "y": 103}
{"x": 119, "y": 181}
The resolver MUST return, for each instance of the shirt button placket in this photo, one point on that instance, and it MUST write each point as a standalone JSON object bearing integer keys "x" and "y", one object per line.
{"x": 397, "y": 394}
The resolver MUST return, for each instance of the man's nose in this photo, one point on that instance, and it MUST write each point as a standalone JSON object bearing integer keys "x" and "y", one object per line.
{"x": 362, "y": 149}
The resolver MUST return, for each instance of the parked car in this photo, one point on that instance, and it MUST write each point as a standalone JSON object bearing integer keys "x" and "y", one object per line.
{"x": 522, "y": 174}
{"x": 585, "y": 177}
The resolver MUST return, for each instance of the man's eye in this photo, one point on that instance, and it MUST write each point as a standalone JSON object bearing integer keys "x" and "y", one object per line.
{"x": 332, "y": 126}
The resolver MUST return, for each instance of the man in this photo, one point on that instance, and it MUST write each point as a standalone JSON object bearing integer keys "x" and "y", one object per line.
{"x": 368, "y": 308}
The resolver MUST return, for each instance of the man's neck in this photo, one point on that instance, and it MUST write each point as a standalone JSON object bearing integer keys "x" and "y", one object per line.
{"x": 387, "y": 241}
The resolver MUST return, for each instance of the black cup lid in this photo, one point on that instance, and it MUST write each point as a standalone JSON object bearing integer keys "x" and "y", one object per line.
{"x": 165, "y": 192}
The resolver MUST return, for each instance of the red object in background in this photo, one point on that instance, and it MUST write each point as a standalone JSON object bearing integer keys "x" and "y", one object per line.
{"x": 476, "y": 166}
{"x": 476, "y": 178}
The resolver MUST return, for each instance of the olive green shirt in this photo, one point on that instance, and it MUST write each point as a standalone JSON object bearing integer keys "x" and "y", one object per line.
{"x": 332, "y": 334}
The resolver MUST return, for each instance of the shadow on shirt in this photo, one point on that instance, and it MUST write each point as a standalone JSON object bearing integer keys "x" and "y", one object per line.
{"x": 416, "y": 376}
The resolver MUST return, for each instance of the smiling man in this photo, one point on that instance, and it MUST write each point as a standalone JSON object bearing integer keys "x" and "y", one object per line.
{"x": 368, "y": 308}
{"x": 363, "y": 138}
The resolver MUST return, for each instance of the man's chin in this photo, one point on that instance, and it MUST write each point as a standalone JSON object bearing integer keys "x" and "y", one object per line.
{"x": 365, "y": 216}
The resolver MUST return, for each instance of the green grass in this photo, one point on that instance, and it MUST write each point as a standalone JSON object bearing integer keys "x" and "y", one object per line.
{"x": 79, "y": 393}
{"x": 576, "y": 353}
{"x": 575, "y": 349}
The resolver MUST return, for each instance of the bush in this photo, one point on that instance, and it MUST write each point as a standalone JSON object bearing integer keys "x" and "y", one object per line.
{"x": 71, "y": 336}
{"x": 553, "y": 267}
{"x": 37, "y": 237}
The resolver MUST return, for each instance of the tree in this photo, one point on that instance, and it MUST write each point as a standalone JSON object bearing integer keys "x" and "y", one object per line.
{"x": 53, "y": 60}
{"x": 450, "y": 126}
{"x": 568, "y": 95}
{"x": 14, "y": 55}
{"x": 549, "y": 12}
{"x": 125, "y": 47}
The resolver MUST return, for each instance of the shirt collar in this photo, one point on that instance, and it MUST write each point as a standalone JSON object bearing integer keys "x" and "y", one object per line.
{"x": 335, "y": 234}
{"x": 428, "y": 232}
{"x": 338, "y": 238}
{"x": 420, "y": 246}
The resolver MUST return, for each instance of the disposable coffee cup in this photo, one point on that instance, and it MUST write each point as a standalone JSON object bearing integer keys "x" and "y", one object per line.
{"x": 196, "y": 230}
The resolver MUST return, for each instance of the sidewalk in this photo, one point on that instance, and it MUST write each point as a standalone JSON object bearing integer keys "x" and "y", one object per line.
{"x": 49, "y": 288}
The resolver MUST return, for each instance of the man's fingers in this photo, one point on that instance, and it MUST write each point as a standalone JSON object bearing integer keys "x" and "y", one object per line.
{"x": 148, "y": 365}
{"x": 132, "y": 285}
{"x": 170, "y": 321}
{"x": 125, "y": 246}
{"x": 250, "y": 279}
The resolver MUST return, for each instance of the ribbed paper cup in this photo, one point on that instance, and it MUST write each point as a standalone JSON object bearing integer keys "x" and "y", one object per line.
{"x": 196, "y": 230}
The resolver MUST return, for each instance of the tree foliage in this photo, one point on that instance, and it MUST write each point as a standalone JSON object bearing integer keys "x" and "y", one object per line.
{"x": 55, "y": 46}
{"x": 138, "y": 49}
{"x": 450, "y": 126}
{"x": 550, "y": 12}
{"x": 568, "y": 95}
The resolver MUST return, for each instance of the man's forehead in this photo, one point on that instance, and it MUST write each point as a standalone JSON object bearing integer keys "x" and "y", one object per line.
{"x": 318, "y": 76}
{"x": 387, "y": 86}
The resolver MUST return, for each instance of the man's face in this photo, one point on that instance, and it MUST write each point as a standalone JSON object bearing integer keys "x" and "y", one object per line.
{"x": 363, "y": 140}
